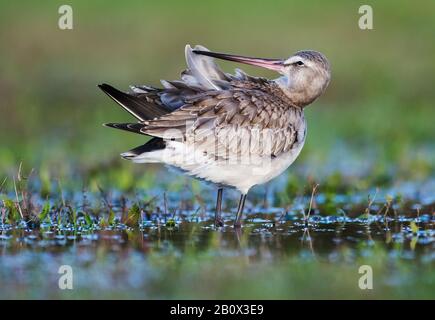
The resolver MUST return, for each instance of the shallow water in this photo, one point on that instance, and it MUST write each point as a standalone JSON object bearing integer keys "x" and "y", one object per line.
{"x": 276, "y": 254}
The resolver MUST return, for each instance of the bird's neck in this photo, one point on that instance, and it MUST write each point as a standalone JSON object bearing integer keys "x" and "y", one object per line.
{"x": 300, "y": 97}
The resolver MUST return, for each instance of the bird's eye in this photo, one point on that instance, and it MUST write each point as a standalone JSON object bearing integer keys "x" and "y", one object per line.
{"x": 299, "y": 63}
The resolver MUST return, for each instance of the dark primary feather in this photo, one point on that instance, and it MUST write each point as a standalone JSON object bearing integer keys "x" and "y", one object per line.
{"x": 142, "y": 109}
{"x": 131, "y": 127}
{"x": 152, "y": 145}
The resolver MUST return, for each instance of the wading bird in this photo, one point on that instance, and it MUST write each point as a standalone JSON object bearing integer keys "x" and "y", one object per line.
{"x": 233, "y": 130}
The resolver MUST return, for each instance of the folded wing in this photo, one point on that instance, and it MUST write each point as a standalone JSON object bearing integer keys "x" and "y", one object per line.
{"x": 228, "y": 123}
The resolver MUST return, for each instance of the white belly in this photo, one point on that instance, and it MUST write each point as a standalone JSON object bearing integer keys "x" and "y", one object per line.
{"x": 244, "y": 177}
{"x": 242, "y": 174}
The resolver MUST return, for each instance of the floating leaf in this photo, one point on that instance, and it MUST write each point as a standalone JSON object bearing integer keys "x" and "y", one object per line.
{"x": 111, "y": 218}
{"x": 133, "y": 216}
{"x": 170, "y": 223}
{"x": 103, "y": 223}
{"x": 13, "y": 214}
{"x": 74, "y": 217}
{"x": 88, "y": 219}
{"x": 414, "y": 227}
{"x": 45, "y": 211}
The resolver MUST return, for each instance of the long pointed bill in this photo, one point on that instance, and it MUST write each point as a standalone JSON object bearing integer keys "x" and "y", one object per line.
{"x": 272, "y": 64}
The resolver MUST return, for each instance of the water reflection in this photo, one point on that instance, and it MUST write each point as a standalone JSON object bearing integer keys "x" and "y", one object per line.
{"x": 261, "y": 236}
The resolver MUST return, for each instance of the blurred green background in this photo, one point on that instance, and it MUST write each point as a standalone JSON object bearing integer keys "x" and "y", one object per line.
{"x": 378, "y": 108}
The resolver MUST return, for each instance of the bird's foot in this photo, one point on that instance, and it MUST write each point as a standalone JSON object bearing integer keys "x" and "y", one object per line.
{"x": 218, "y": 222}
{"x": 237, "y": 225}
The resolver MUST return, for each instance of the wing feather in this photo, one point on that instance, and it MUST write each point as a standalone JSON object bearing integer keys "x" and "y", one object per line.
{"x": 202, "y": 70}
{"x": 232, "y": 123}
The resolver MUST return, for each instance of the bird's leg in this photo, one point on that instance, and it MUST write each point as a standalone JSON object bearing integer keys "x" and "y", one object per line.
{"x": 218, "y": 222}
{"x": 237, "y": 223}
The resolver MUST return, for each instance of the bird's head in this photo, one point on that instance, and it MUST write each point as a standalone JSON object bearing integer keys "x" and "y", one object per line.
{"x": 305, "y": 74}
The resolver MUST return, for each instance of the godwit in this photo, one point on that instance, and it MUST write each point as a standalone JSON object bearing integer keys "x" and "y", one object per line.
{"x": 233, "y": 130}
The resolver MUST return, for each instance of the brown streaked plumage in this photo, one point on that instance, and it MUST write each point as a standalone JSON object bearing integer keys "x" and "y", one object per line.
{"x": 232, "y": 130}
